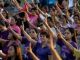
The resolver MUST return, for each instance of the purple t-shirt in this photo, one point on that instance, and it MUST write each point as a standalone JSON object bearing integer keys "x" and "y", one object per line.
{"x": 4, "y": 35}
{"x": 41, "y": 53}
{"x": 66, "y": 53}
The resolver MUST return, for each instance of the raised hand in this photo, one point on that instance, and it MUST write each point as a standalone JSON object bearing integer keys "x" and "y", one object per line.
{"x": 59, "y": 33}
{"x": 22, "y": 27}
{"x": 29, "y": 49}
{"x": 2, "y": 54}
{"x": 1, "y": 10}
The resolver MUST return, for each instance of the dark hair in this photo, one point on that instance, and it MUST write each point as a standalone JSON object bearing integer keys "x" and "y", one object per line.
{"x": 19, "y": 1}
{"x": 7, "y": 15}
{"x": 45, "y": 33}
{"x": 72, "y": 30}
{"x": 49, "y": 19}
{"x": 20, "y": 21}
{"x": 22, "y": 14}
{"x": 76, "y": 16}
{"x": 15, "y": 48}
{"x": 34, "y": 8}
{"x": 34, "y": 29}
{"x": 60, "y": 1}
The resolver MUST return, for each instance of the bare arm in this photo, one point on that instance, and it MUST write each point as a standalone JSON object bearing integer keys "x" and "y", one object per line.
{"x": 29, "y": 49}
{"x": 27, "y": 36}
{"x": 2, "y": 54}
{"x": 3, "y": 40}
{"x": 65, "y": 42}
{"x": 48, "y": 27}
{"x": 53, "y": 51}
{"x": 59, "y": 10}
{"x": 2, "y": 16}
{"x": 14, "y": 33}
{"x": 40, "y": 11}
{"x": 17, "y": 4}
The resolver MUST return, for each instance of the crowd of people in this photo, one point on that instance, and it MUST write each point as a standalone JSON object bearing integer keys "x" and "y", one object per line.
{"x": 39, "y": 30}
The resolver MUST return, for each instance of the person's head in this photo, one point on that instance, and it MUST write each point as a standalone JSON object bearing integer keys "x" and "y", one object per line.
{"x": 5, "y": 14}
{"x": 22, "y": 14}
{"x": 44, "y": 36}
{"x": 2, "y": 25}
{"x": 44, "y": 9}
{"x": 50, "y": 22}
{"x": 76, "y": 19}
{"x": 19, "y": 1}
{"x": 52, "y": 11}
{"x": 42, "y": 27}
{"x": 33, "y": 11}
{"x": 12, "y": 51}
{"x": 69, "y": 34}
{"x": 33, "y": 33}
{"x": 13, "y": 21}
{"x": 64, "y": 3}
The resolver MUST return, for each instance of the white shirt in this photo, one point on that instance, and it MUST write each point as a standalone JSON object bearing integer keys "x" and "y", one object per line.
{"x": 70, "y": 3}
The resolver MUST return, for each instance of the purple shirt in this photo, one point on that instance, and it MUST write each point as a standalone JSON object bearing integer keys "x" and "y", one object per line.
{"x": 4, "y": 34}
{"x": 66, "y": 53}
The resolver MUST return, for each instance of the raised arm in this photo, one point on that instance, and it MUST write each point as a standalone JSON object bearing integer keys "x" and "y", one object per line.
{"x": 29, "y": 49}
{"x": 40, "y": 10}
{"x": 1, "y": 15}
{"x": 3, "y": 40}
{"x": 2, "y": 54}
{"x": 28, "y": 36}
{"x": 53, "y": 51}
{"x": 14, "y": 33}
{"x": 48, "y": 27}
{"x": 64, "y": 41}
{"x": 58, "y": 9}
{"x": 17, "y": 4}
{"x": 27, "y": 18}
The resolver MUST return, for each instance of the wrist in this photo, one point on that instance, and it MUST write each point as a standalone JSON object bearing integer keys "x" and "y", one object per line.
{"x": 30, "y": 52}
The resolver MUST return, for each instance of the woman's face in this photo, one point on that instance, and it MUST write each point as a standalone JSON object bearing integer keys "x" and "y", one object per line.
{"x": 4, "y": 14}
{"x": 50, "y": 23}
{"x": 75, "y": 18}
{"x": 43, "y": 38}
{"x": 67, "y": 34}
{"x": 33, "y": 33}
{"x": 13, "y": 21}
{"x": 11, "y": 51}
{"x": 64, "y": 3}
{"x": 33, "y": 12}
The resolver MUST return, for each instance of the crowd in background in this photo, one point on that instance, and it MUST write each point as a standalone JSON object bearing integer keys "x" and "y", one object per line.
{"x": 39, "y": 29}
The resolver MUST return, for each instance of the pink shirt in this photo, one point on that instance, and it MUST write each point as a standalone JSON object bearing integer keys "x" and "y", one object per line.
{"x": 16, "y": 28}
{"x": 25, "y": 7}
{"x": 33, "y": 19}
